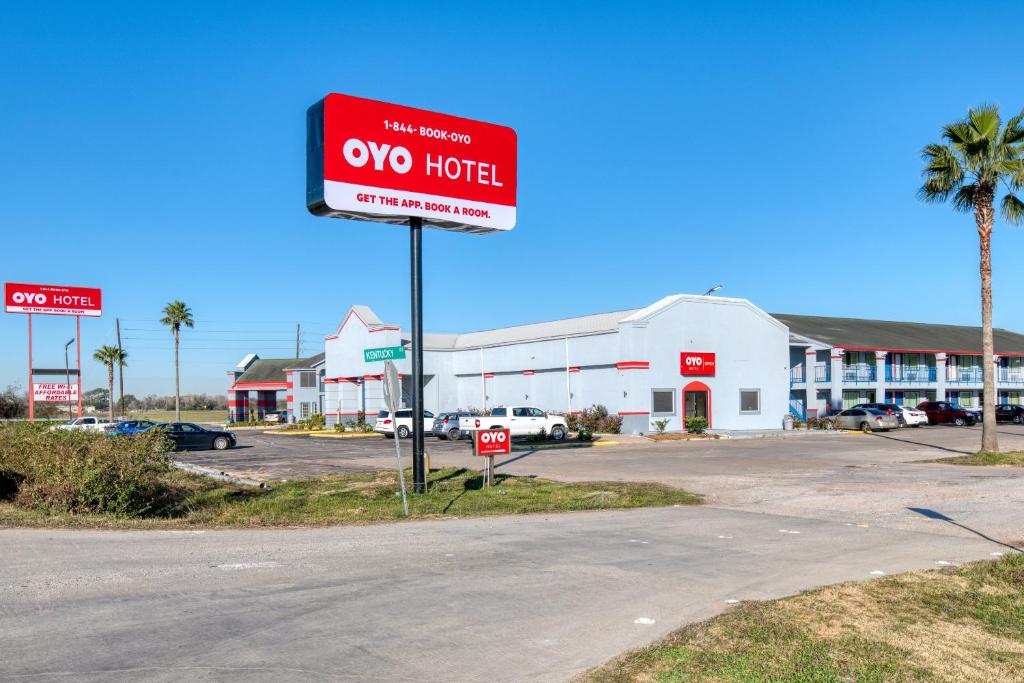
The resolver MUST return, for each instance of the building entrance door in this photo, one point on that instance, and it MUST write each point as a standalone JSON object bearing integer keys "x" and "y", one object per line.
{"x": 696, "y": 404}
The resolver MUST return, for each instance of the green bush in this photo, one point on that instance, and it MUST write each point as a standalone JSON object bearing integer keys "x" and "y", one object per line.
{"x": 696, "y": 425}
{"x": 82, "y": 471}
{"x": 661, "y": 425}
{"x": 591, "y": 420}
{"x": 339, "y": 426}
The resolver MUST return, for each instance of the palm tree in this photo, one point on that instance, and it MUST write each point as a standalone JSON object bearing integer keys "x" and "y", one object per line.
{"x": 110, "y": 356}
{"x": 979, "y": 159}
{"x": 177, "y": 314}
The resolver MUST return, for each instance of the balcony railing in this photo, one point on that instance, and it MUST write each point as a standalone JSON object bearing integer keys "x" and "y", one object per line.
{"x": 822, "y": 374}
{"x": 859, "y": 374}
{"x": 970, "y": 375}
{"x": 910, "y": 374}
{"x": 1006, "y": 376}
{"x": 796, "y": 375}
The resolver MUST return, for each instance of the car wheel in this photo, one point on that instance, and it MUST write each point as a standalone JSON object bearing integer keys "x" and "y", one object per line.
{"x": 403, "y": 432}
{"x": 220, "y": 443}
{"x": 959, "y": 421}
{"x": 1017, "y": 419}
{"x": 558, "y": 433}
{"x": 454, "y": 434}
{"x": 865, "y": 427}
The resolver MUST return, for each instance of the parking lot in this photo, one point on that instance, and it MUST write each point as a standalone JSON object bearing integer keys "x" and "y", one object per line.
{"x": 849, "y": 477}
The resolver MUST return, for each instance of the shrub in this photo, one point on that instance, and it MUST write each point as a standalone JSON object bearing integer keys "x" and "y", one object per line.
{"x": 361, "y": 425}
{"x": 610, "y": 424}
{"x": 594, "y": 419}
{"x": 661, "y": 425}
{"x": 339, "y": 426}
{"x": 83, "y": 471}
{"x": 696, "y": 425}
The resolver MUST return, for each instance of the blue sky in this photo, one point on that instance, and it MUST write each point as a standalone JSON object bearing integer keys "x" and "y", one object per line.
{"x": 156, "y": 151}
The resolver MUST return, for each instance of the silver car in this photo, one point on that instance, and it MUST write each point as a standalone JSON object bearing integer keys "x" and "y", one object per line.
{"x": 866, "y": 419}
{"x": 446, "y": 425}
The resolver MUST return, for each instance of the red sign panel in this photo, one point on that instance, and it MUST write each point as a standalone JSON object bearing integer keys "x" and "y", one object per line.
{"x": 385, "y": 162}
{"x": 52, "y": 299}
{"x": 493, "y": 442}
{"x": 693, "y": 363}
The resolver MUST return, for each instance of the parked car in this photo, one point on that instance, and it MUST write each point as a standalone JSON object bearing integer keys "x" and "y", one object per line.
{"x": 887, "y": 408}
{"x": 94, "y": 424}
{"x": 128, "y": 427}
{"x": 1010, "y": 413}
{"x": 401, "y": 423}
{"x": 520, "y": 421}
{"x": 446, "y": 425}
{"x": 865, "y": 419}
{"x": 281, "y": 417}
{"x": 944, "y": 412}
{"x": 188, "y": 436}
{"x": 912, "y": 417}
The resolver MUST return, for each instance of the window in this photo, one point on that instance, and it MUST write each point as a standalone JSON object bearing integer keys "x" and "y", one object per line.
{"x": 537, "y": 412}
{"x": 750, "y": 401}
{"x": 307, "y": 379}
{"x": 304, "y": 410}
{"x": 663, "y": 402}
{"x": 520, "y": 412}
{"x": 499, "y": 412}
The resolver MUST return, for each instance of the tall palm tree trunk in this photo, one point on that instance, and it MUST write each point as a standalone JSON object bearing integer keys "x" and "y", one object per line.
{"x": 983, "y": 216}
{"x": 110, "y": 387}
{"x": 177, "y": 383}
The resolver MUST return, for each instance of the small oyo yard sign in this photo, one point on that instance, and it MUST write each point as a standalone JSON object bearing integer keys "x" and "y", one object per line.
{"x": 383, "y": 162}
{"x": 493, "y": 442}
{"x": 52, "y": 299}
{"x": 54, "y": 392}
{"x": 692, "y": 363}
{"x": 384, "y": 353}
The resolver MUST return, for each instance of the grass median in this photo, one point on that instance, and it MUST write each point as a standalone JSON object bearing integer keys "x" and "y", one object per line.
{"x": 954, "y": 624}
{"x": 193, "y": 501}
{"x": 984, "y": 459}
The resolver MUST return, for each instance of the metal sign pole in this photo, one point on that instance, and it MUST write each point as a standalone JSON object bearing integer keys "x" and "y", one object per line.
{"x": 78, "y": 355}
{"x": 31, "y": 389}
{"x": 392, "y": 390}
{"x": 419, "y": 476}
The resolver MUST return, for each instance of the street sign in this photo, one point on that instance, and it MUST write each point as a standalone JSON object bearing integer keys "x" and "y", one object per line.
{"x": 384, "y": 353}
{"x": 52, "y": 299}
{"x": 493, "y": 442}
{"x": 51, "y": 392}
{"x": 700, "y": 364}
{"x": 376, "y": 161}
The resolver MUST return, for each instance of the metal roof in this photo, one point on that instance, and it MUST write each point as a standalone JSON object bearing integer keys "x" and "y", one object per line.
{"x": 856, "y": 333}
{"x": 554, "y": 329}
{"x": 272, "y": 369}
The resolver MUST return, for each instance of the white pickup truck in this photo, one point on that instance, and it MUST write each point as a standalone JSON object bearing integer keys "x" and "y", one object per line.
{"x": 89, "y": 423}
{"x": 519, "y": 420}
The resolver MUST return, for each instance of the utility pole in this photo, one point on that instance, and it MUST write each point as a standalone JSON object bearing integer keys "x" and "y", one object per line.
{"x": 120, "y": 365}
{"x": 298, "y": 335}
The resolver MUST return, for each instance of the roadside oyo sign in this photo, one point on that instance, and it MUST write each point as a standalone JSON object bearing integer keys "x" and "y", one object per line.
{"x": 692, "y": 363}
{"x": 48, "y": 392}
{"x": 52, "y": 299}
{"x": 376, "y": 161}
{"x": 493, "y": 442}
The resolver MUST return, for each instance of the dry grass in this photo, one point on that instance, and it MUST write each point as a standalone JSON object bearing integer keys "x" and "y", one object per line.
{"x": 681, "y": 436}
{"x": 962, "y": 624}
{"x": 984, "y": 459}
{"x": 358, "y": 499}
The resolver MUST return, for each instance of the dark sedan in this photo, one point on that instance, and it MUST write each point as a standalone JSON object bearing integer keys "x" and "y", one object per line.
{"x": 188, "y": 436}
{"x": 1010, "y": 413}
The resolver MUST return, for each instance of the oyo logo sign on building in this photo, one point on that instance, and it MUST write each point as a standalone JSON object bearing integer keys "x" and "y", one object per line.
{"x": 693, "y": 363}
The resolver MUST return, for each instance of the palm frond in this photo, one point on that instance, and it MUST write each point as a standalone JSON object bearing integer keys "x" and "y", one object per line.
{"x": 1014, "y": 131}
{"x": 985, "y": 120}
{"x": 1012, "y": 209}
{"x": 963, "y": 200}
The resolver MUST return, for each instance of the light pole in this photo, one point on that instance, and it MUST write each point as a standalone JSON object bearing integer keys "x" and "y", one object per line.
{"x": 67, "y": 373}
{"x": 712, "y": 290}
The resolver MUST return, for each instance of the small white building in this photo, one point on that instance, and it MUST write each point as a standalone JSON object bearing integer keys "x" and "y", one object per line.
{"x": 632, "y": 362}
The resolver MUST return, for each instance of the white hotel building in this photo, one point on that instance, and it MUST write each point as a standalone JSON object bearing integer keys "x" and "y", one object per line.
{"x": 721, "y": 358}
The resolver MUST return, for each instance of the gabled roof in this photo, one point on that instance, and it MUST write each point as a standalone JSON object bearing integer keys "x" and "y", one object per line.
{"x": 270, "y": 370}
{"x": 554, "y": 329}
{"x": 885, "y": 335}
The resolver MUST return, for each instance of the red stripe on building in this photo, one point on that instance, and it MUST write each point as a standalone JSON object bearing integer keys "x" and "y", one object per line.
{"x": 488, "y": 375}
{"x": 633, "y": 412}
{"x": 528, "y": 372}
{"x": 374, "y": 377}
{"x": 289, "y": 398}
{"x": 574, "y": 369}
{"x": 633, "y": 365}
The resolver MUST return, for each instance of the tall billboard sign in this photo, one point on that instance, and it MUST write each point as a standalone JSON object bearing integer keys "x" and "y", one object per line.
{"x": 34, "y": 299}
{"x": 383, "y": 162}
{"x": 388, "y": 163}
{"x": 52, "y": 299}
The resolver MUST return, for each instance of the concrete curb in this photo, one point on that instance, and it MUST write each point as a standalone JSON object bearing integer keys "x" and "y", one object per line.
{"x": 549, "y": 446}
{"x": 346, "y": 435}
